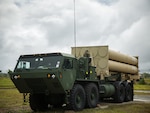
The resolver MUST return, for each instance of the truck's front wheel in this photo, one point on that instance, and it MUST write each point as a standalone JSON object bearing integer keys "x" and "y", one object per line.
{"x": 32, "y": 103}
{"x": 77, "y": 97}
{"x": 37, "y": 102}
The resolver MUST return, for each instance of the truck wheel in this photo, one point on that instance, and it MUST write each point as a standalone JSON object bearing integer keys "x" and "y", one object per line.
{"x": 129, "y": 93}
{"x": 32, "y": 103}
{"x": 77, "y": 97}
{"x": 92, "y": 95}
{"x": 37, "y": 102}
{"x": 119, "y": 93}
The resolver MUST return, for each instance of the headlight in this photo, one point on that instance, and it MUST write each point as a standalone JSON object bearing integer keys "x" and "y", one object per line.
{"x": 16, "y": 76}
{"x": 48, "y": 75}
{"x": 53, "y": 76}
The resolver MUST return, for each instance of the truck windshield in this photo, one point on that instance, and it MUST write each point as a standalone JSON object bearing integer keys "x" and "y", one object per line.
{"x": 39, "y": 62}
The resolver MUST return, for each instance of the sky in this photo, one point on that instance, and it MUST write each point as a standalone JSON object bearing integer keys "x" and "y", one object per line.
{"x": 45, "y": 26}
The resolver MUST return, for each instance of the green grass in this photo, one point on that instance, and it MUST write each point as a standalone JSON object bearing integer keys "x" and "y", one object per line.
{"x": 11, "y": 101}
{"x": 141, "y": 87}
{"x": 5, "y": 82}
{"x": 10, "y": 98}
{"x": 147, "y": 80}
{"x": 145, "y": 86}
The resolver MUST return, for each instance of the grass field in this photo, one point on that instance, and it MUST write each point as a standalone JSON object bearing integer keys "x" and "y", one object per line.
{"x": 141, "y": 87}
{"x": 147, "y": 80}
{"x": 11, "y": 101}
{"x": 6, "y": 82}
{"x": 10, "y": 98}
{"x": 146, "y": 86}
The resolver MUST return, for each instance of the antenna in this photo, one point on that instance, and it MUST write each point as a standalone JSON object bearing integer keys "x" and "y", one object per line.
{"x": 75, "y": 26}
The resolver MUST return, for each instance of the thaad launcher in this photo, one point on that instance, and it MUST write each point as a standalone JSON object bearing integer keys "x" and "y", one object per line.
{"x": 78, "y": 80}
{"x": 108, "y": 62}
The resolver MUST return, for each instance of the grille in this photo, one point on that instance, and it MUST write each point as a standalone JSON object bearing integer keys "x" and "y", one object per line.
{"x": 36, "y": 85}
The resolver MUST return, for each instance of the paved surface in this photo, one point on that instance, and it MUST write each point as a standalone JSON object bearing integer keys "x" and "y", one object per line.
{"x": 142, "y": 98}
{"x": 142, "y": 91}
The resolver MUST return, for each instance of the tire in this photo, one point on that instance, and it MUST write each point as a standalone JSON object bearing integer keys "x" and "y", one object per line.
{"x": 56, "y": 100}
{"x": 37, "y": 102}
{"x": 77, "y": 98}
{"x": 119, "y": 96}
{"x": 92, "y": 95}
{"x": 32, "y": 103}
{"x": 128, "y": 93}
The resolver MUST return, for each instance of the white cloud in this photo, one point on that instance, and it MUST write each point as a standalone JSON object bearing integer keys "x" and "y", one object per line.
{"x": 34, "y": 26}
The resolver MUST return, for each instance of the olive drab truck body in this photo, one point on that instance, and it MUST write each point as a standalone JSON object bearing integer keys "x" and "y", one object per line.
{"x": 78, "y": 80}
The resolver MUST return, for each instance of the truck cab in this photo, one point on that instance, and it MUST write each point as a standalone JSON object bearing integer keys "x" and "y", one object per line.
{"x": 45, "y": 73}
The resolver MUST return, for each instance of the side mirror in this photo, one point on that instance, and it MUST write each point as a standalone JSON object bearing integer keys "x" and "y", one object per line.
{"x": 10, "y": 72}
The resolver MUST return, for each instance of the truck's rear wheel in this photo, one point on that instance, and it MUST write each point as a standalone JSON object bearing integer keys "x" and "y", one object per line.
{"x": 129, "y": 93}
{"x": 119, "y": 93}
{"x": 92, "y": 95}
{"x": 77, "y": 98}
{"x": 37, "y": 102}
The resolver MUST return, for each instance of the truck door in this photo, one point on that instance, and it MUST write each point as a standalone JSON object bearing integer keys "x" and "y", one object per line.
{"x": 68, "y": 74}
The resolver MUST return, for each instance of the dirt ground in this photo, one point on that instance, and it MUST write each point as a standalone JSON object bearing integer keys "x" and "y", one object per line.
{"x": 26, "y": 108}
{"x": 20, "y": 109}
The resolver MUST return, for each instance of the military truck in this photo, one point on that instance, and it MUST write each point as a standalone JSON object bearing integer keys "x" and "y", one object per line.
{"x": 81, "y": 79}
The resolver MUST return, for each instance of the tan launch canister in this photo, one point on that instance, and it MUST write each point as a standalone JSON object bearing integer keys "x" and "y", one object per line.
{"x": 117, "y": 56}
{"x": 107, "y": 61}
{"x": 121, "y": 67}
